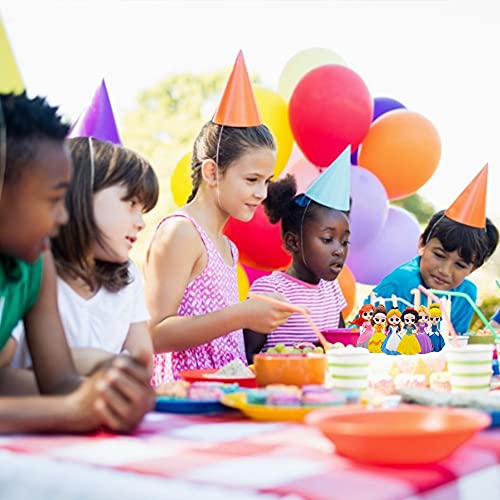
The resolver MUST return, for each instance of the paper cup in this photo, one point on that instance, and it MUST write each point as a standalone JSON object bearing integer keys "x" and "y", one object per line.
{"x": 470, "y": 367}
{"x": 348, "y": 368}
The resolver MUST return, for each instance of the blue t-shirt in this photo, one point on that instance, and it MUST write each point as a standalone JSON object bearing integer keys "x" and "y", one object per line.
{"x": 407, "y": 277}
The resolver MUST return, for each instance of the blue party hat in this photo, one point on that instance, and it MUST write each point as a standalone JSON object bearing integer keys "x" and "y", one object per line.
{"x": 332, "y": 188}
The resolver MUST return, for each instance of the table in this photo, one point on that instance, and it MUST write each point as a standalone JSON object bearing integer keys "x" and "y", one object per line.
{"x": 227, "y": 456}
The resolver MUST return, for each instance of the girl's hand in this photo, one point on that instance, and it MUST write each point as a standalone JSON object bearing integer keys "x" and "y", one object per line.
{"x": 116, "y": 397}
{"x": 264, "y": 317}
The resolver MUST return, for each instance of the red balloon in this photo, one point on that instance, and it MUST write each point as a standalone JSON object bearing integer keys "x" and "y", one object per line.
{"x": 259, "y": 242}
{"x": 330, "y": 108}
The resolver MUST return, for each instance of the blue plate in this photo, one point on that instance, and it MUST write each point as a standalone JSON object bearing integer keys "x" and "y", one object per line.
{"x": 186, "y": 406}
{"x": 495, "y": 418}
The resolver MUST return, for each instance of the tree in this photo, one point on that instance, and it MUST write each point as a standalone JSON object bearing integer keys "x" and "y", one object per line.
{"x": 418, "y": 206}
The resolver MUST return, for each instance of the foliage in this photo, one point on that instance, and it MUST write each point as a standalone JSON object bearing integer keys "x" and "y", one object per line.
{"x": 418, "y": 206}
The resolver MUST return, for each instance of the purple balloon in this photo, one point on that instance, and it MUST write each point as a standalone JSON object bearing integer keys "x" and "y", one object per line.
{"x": 396, "y": 244}
{"x": 97, "y": 120}
{"x": 382, "y": 105}
{"x": 354, "y": 157}
{"x": 369, "y": 206}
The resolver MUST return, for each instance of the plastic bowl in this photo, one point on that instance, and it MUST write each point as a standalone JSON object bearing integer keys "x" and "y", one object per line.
{"x": 290, "y": 369}
{"x": 346, "y": 336}
{"x": 405, "y": 435}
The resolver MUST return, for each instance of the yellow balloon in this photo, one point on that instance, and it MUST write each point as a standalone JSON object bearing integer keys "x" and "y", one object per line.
{"x": 243, "y": 283}
{"x": 303, "y": 62}
{"x": 180, "y": 182}
{"x": 10, "y": 79}
{"x": 274, "y": 113}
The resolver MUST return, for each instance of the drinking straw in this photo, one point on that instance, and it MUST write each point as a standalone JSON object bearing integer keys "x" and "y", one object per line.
{"x": 473, "y": 305}
{"x": 293, "y": 308}
{"x": 498, "y": 283}
{"x": 430, "y": 295}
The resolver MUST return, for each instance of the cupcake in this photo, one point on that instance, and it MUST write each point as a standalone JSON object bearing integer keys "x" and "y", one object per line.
{"x": 440, "y": 381}
{"x": 410, "y": 381}
{"x": 381, "y": 383}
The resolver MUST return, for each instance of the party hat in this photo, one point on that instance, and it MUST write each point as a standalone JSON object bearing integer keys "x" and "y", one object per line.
{"x": 470, "y": 206}
{"x": 10, "y": 78}
{"x": 97, "y": 120}
{"x": 332, "y": 188}
{"x": 237, "y": 107}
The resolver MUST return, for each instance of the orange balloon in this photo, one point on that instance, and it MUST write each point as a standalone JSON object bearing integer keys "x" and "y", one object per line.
{"x": 347, "y": 283}
{"x": 402, "y": 148}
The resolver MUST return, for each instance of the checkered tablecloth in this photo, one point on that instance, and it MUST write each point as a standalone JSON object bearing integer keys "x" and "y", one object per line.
{"x": 226, "y": 456}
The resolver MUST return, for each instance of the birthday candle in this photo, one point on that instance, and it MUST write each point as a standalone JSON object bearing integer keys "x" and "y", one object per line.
{"x": 372, "y": 298}
{"x": 394, "y": 301}
{"x": 416, "y": 298}
{"x": 445, "y": 331}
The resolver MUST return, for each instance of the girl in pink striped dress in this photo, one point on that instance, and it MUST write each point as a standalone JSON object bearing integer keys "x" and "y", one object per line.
{"x": 317, "y": 237}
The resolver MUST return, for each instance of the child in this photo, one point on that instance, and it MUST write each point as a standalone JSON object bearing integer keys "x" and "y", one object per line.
{"x": 37, "y": 171}
{"x": 100, "y": 293}
{"x": 316, "y": 234}
{"x": 190, "y": 271}
{"x": 454, "y": 244}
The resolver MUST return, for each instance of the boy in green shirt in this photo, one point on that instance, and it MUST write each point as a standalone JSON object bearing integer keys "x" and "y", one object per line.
{"x": 35, "y": 171}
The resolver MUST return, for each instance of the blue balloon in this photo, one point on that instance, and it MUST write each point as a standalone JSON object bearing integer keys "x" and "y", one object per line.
{"x": 382, "y": 105}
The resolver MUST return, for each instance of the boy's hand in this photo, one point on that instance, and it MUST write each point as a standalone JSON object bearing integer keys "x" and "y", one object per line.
{"x": 116, "y": 397}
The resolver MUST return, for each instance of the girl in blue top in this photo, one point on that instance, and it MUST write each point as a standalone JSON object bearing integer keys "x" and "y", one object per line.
{"x": 448, "y": 252}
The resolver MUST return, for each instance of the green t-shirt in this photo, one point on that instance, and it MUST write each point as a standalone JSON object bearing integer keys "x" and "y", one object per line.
{"x": 19, "y": 288}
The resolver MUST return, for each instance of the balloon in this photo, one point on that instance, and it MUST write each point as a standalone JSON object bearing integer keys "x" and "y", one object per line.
{"x": 258, "y": 241}
{"x": 368, "y": 208}
{"x": 348, "y": 285}
{"x": 180, "y": 182}
{"x": 382, "y": 105}
{"x": 403, "y": 150}
{"x": 330, "y": 108}
{"x": 253, "y": 273}
{"x": 303, "y": 62}
{"x": 274, "y": 113}
{"x": 303, "y": 171}
{"x": 396, "y": 244}
{"x": 243, "y": 283}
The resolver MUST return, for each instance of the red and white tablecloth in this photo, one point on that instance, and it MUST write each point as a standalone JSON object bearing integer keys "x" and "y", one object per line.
{"x": 226, "y": 456}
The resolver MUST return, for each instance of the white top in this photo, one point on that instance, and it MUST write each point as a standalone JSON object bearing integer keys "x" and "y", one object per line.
{"x": 103, "y": 320}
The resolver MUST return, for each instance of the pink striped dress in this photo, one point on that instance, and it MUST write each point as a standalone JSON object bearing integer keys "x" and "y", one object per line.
{"x": 325, "y": 302}
{"x": 215, "y": 288}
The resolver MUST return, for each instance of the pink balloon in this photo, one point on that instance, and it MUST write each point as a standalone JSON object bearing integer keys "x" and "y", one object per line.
{"x": 330, "y": 108}
{"x": 369, "y": 206}
{"x": 253, "y": 274}
{"x": 303, "y": 171}
{"x": 394, "y": 245}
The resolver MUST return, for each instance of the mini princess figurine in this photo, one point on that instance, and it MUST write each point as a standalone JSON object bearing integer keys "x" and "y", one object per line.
{"x": 409, "y": 343}
{"x": 365, "y": 315}
{"x": 379, "y": 334}
{"x": 423, "y": 328}
{"x": 395, "y": 332}
{"x": 435, "y": 316}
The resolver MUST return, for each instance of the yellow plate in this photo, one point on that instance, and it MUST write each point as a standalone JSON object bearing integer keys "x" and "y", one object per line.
{"x": 267, "y": 413}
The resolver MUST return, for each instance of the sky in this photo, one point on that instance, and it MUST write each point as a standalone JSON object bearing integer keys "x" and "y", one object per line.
{"x": 439, "y": 58}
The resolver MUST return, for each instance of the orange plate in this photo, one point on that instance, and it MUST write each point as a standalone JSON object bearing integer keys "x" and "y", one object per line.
{"x": 404, "y": 435}
{"x": 207, "y": 376}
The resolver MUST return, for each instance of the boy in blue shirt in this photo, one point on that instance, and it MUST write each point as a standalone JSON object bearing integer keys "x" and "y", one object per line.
{"x": 455, "y": 243}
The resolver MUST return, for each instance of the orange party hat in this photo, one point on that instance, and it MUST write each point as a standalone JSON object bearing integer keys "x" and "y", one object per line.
{"x": 237, "y": 107}
{"x": 470, "y": 206}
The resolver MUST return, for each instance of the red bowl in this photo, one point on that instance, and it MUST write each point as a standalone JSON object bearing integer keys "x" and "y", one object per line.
{"x": 405, "y": 435}
{"x": 347, "y": 336}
